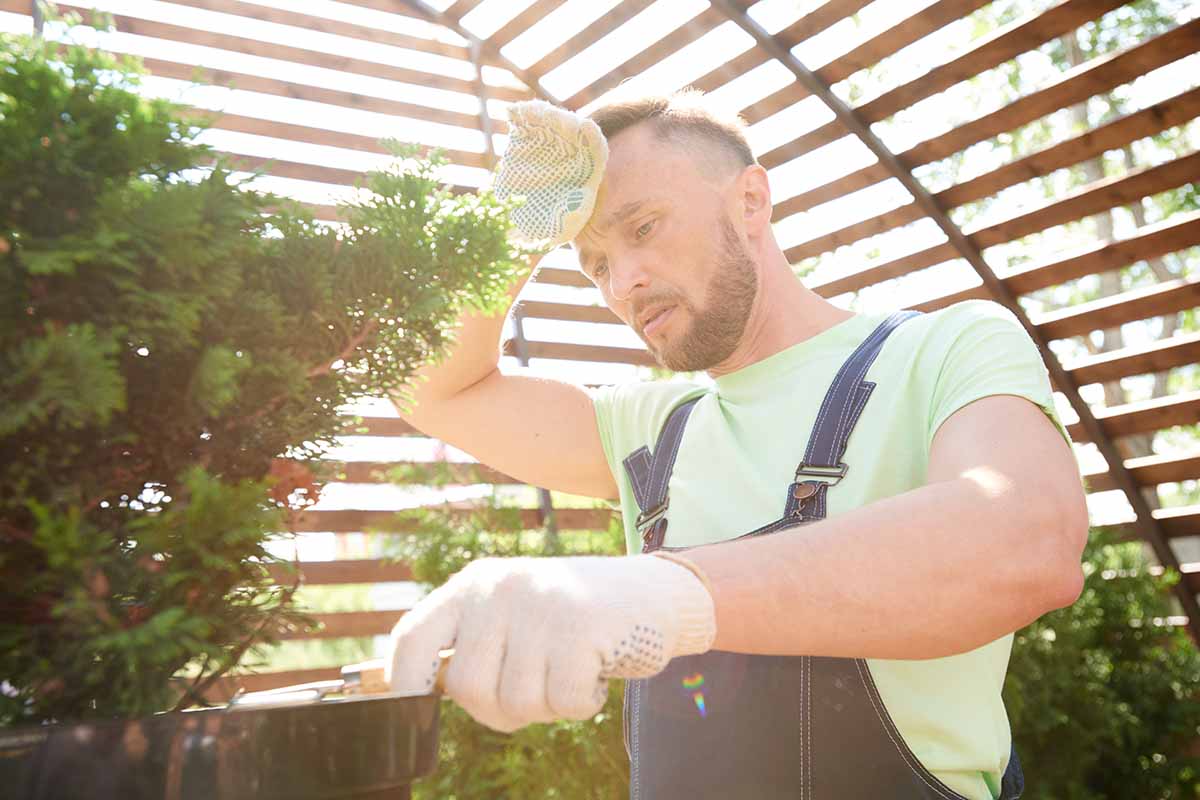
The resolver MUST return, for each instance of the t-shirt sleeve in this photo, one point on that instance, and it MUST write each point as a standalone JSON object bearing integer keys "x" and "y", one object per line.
{"x": 987, "y": 352}
{"x": 604, "y": 401}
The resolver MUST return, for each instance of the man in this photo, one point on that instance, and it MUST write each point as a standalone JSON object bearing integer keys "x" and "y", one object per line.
{"x": 855, "y": 643}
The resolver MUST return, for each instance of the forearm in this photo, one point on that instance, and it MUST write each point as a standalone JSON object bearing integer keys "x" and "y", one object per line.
{"x": 935, "y": 571}
{"x": 474, "y": 356}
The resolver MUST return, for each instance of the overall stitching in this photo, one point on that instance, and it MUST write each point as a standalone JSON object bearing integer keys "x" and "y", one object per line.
{"x": 639, "y": 474}
{"x": 918, "y": 769}
{"x": 834, "y": 390}
{"x": 658, "y": 489}
{"x": 635, "y": 785}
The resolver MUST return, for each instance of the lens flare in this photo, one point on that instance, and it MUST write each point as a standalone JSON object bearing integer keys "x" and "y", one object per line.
{"x": 693, "y": 685}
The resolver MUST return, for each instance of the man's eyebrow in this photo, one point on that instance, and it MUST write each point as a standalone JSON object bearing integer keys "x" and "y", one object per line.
{"x": 624, "y": 212}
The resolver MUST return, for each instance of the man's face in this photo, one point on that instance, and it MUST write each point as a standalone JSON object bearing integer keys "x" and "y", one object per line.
{"x": 663, "y": 251}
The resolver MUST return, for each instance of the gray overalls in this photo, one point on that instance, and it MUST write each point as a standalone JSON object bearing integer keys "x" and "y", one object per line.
{"x": 734, "y": 725}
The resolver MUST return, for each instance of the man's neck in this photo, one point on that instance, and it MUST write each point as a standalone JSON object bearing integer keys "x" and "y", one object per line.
{"x": 785, "y": 313}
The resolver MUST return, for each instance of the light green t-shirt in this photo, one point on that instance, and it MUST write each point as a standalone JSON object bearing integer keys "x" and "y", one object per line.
{"x": 747, "y": 434}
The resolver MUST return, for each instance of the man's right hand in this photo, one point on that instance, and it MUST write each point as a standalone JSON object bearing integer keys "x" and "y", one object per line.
{"x": 536, "y": 430}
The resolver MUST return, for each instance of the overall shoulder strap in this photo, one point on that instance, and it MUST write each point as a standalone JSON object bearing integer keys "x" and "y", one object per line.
{"x": 843, "y": 405}
{"x": 650, "y": 474}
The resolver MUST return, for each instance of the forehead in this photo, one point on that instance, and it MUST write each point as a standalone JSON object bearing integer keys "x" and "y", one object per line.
{"x": 642, "y": 170}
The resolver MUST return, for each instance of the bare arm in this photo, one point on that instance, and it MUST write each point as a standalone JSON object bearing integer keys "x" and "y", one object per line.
{"x": 537, "y": 430}
{"x": 989, "y": 544}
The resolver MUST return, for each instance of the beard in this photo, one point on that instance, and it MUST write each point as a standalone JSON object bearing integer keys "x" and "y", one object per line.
{"x": 717, "y": 327}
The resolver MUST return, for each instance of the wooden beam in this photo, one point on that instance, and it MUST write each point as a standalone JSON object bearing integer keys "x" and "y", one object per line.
{"x": 1166, "y": 297}
{"x": 1148, "y": 471}
{"x": 354, "y": 520}
{"x": 584, "y": 352}
{"x": 358, "y": 570}
{"x": 1157, "y": 356}
{"x": 298, "y": 170}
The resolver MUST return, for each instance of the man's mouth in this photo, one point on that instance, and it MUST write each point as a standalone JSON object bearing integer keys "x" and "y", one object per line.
{"x": 656, "y": 319}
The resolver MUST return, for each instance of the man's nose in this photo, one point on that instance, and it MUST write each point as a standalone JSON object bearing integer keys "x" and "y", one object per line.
{"x": 626, "y": 274}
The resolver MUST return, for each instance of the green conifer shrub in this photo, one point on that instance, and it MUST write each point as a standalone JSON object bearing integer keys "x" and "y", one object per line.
{"x": 166, "y": 335}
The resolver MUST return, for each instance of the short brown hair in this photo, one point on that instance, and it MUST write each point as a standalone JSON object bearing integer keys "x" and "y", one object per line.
{"x": 682, "y": 114}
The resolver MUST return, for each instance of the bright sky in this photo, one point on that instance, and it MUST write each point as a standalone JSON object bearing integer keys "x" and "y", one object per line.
{"x": 926, "y": 120}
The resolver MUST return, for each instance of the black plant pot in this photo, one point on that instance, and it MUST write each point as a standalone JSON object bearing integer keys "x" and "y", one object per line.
{"x": 351, "y": 748}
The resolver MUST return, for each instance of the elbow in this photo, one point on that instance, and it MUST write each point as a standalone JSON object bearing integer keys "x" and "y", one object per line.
{"x": 1066, "y": 527}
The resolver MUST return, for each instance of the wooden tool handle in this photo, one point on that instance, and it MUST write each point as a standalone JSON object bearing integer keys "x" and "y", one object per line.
{"x": 366, "y": 677}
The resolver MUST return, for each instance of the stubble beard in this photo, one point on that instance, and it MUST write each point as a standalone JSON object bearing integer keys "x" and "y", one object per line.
{"x": 717, "y": 328}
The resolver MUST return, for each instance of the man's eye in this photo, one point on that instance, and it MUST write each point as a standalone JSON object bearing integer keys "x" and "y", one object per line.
{"x": 600, "y": 268}
{"x": 644, "y": 230}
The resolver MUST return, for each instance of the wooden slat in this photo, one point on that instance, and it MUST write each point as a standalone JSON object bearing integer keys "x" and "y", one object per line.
{"x": 563, "y": 277}
{"x": 380, "y": 426}
{"x": 1191, "y": 574}
{"x": 1148, "y": 121}
{"x": 1149, "y": 471}
{"x": 1001, "y": 46}
{"x": 583, "y": 352}
{"x": 315, "y": 94}
{"x": 683, "y": 35}
{"x": 1169, "y": 236}
{"x": 1093, "y": 198}
{"x": 893, "y": 218}
{"x": 298, "y": 55}
{"x": 522, "y": 22}
{"x": 298, "y": 170}
{"x": 1090, "y": 199}
{"x": 1166, "y": 297}
{"x": 1157, "y": 356}
{"x": 225, "y": 688}
{"x": 354, "y": 520}
{"x": 350, "y": 624}
{"x": 1179, "y": 522}
{"x": 445, "y": 472}
{"x": 330, "y": 26}
{"x": 594, "y": 32}
{"x": 388, "y": 6}
{"x": 319, "y": 136}
{"x": 1096, "y": 76}
{"x": 358, "y": 570}
{"x": 864, "y": 55}
{"x": 1008, "y": 42}
{"x": 1144, "y": 416}
{"x": 1088, "y": 79}
{"x": 568, "y": 312}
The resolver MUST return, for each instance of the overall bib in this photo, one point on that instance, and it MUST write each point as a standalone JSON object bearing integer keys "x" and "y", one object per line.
{"x": 736, "y": 725}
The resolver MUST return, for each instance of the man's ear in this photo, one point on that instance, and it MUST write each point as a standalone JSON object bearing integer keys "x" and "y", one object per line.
{"x": 755, "y": 195}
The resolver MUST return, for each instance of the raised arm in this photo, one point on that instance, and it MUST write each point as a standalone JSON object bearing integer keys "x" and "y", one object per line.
{"x": 537, "y": 430}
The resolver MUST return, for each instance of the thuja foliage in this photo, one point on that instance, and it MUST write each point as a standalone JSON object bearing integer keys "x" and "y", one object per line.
{"x": 166, "y": 334}
{"x": 1103, "y": 698}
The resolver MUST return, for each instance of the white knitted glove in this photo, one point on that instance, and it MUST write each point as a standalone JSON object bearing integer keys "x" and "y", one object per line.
{"x": 535, "y": 639}
{"x": 555, "y": 159}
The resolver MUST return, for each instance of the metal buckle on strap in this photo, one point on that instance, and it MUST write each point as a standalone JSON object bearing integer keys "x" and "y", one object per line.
{"x": 833, "y": 474}
{"x": 648, "y": 518}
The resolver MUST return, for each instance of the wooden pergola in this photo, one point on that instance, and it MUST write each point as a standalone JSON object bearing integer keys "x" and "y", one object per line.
{"x": 492, "y": 79}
